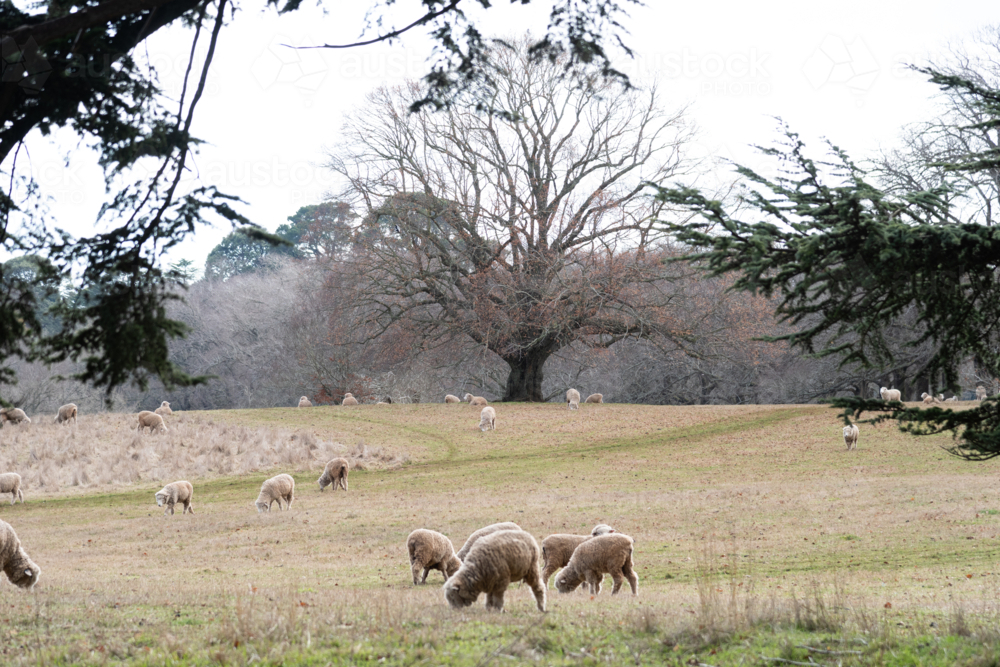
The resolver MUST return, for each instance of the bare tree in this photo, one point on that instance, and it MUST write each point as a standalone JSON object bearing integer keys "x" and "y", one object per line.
{"x": 524, "y": 231}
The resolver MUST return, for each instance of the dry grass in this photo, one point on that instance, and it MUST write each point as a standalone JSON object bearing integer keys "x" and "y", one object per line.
{"x": 743, "y": 517}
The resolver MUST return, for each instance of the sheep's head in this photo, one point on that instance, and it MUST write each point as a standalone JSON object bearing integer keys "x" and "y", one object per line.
{"x": 161, "y": 498}
{"x": 22, "y": 572}
{"x": 452, "y": 565}
{"x": 602, "y": 529}
{"x": 567, "y": 582}
{"x": 324, "y": 481}
{"x": 262, "y": 506}
{"x": 458, "y": 594}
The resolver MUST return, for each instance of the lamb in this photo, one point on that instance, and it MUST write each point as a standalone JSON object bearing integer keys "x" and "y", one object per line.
{"x": 600, "y": 555}
{"x": 430, "y": 550}
{"x": 173, "y": 493}
{"x": 66, "y": 413}
{"x": 13, "y": 415}
{"x": 980, "y": 392}
{"x": 164, "y": 410}
{"x": 475, "y": 400}
{"x": 335, "y": 473}
{"x": 482, "y": 532}
{"x": 349, "y": 399}
{"x": 452, "y": 399}
{"x": 595, "y": 398}
{"x": 928, "y": 399}
{"x": 280, "y": 487}
{"x": 20, "y": 570}
{"x": 558, "y": 549}
{"x": 573, "y": 399}
{"x": 495, "y": 562}
{"x": 304, "y": 402}
{"x": 851, "y": 436}
{"x": 488, "y": 419}
{"x": 10, "y": 482}
{"x": 890, "y": 394}
{"x": 152, "y": 421}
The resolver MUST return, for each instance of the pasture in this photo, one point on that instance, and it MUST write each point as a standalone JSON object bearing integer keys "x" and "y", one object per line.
{"x": 756, "y": 534}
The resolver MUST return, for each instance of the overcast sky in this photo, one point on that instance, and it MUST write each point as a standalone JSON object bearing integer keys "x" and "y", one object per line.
{"x": 829, "y": 69}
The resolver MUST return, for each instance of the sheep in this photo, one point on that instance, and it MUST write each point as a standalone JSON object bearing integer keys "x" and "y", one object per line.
{"x": 20, "y": 570}
{"x": 152, "y": 421}
{"x": 164, "y": 410}
{"x": 890, "y": 394}
{"x": 10, "y": 482}
{"x": 495, "y": 562}
{"x": 558, "y": 549}
{"x": 335, "y": 473}
{"x": 482, "y": 532}
{"x": 600, "y": 555}
{"x": 349, "y": 399}
{"x": 928, "y": 399}
{"x": 66, "y": 413}
{"x": 595, "y": 398}
{"x": 430, "y": 550}
{"x": 13, "y": 415}
{"x": 980, "y": 392}
{"x": 475, "y": 400}
{"x": 951, "y": 399}
{"x": 278, "y": 488}
{"x": 573, "y": 399}
{"x": 304, "y": 402}
{"x": 488, "y": 419}
{"x": 851, "y": 436}
{"x": 452, "y": 399}
{"x": 173, "y": 493}
{"x": 939, "y": 398}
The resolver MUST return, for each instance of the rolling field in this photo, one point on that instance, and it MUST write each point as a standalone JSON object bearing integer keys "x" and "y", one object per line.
{"x": 756, "y": 534}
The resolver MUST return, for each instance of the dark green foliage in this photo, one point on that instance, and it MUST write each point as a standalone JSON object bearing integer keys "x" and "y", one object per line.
{"x": 318, "y": 230}
{"x": 847, "y": 260}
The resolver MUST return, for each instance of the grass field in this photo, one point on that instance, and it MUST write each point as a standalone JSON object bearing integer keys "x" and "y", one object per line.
{"x": 756, "y": 534}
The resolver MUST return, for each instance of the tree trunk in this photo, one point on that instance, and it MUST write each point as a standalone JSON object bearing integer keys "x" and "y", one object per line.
{"x": 525, "y": 380}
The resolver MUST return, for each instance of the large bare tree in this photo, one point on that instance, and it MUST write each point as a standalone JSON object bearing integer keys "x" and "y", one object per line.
{"x": 525, "y": 230}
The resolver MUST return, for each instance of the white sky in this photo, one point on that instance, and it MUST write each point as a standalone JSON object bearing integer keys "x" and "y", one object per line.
{"x": 830, "y": 69}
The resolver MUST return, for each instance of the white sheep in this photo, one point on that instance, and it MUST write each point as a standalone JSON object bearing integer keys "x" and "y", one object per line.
{"x": 164, "y": 409}
{"x": 20, "y": 570}
{"x": 475, "y": 400}
{"x": 928, "y": 399}
{"x": 951, "y": 399}
{"x": 595, "y": 398}
{"x": 334, "y": 473}
{"x": 430, "y": 550}
{"x": 304, "y": 402}
{"x": 66, "y": 413}
{"x": 494, "y": 563}
{"x": 482, "y": 532}
{"x": 488, "y": 419}
{"x": 890, "y": 394}
{"x": 980, "y": 392}
{"x": 558, "y": 549}
{"x": 10, "y": 482}
{"x": 278, "y": 488}
{"x": 939, "y": 398}
{"x": 349, "y": 399}
{"x": 851, "y": 436}
{"x": 173, "y": 493}
{"x": 573, "y": 399}
{"x": 600, "y": 555}
{"x": 13, "y": 415}
{"x": 452, "y": 399}
{"x": 152, "y": 421}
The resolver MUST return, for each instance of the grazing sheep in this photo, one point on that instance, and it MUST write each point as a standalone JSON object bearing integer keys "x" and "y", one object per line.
{"x": 495, "y": 562}
{"x": 488, "y": 419}
{"x": 349, "y": 399}
{"x": 851, "y": 436}
{"x": 173, "y": 493}
{"x": 951, "y": 399}
{"x": 335, "y": 473}
{"x": 600, "y": 555}
{"x": 475, "y": 400}
{"x": 573, "y": 399}
{"x": 558, "y": 549}
{"x": 595, "y": 398}
{"x": 278, "y": 488}
{"x": 430, "y": 550}
{"x": 482, "y": 532}
{"x": 164, "y": 409}
{"x": 980, "y": 392}
{"x": 66, "y": 413}
{"x": 304, "y": 402}
{"x": 20, "y": 570}
{"x": 13, "y": 415}
{"x": 890, "y": 394}
{"x": 10, "y": 482}
{"x": 152, "y": 421}
{"x": 452, "y": 399}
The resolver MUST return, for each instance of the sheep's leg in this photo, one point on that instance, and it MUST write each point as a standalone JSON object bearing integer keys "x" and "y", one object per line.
{"x": 416, "y": 566}
{"x": 618, "y": 579}
{"x": 547, "y": 573}
{"x": 595, "y": 583}
{"x": 495, "y": 600}
{"x": 188, "y": 507}
{"x": 288, "y": 501}
{"x": 537, "y": 588}
{"x": 633, "y": 578}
